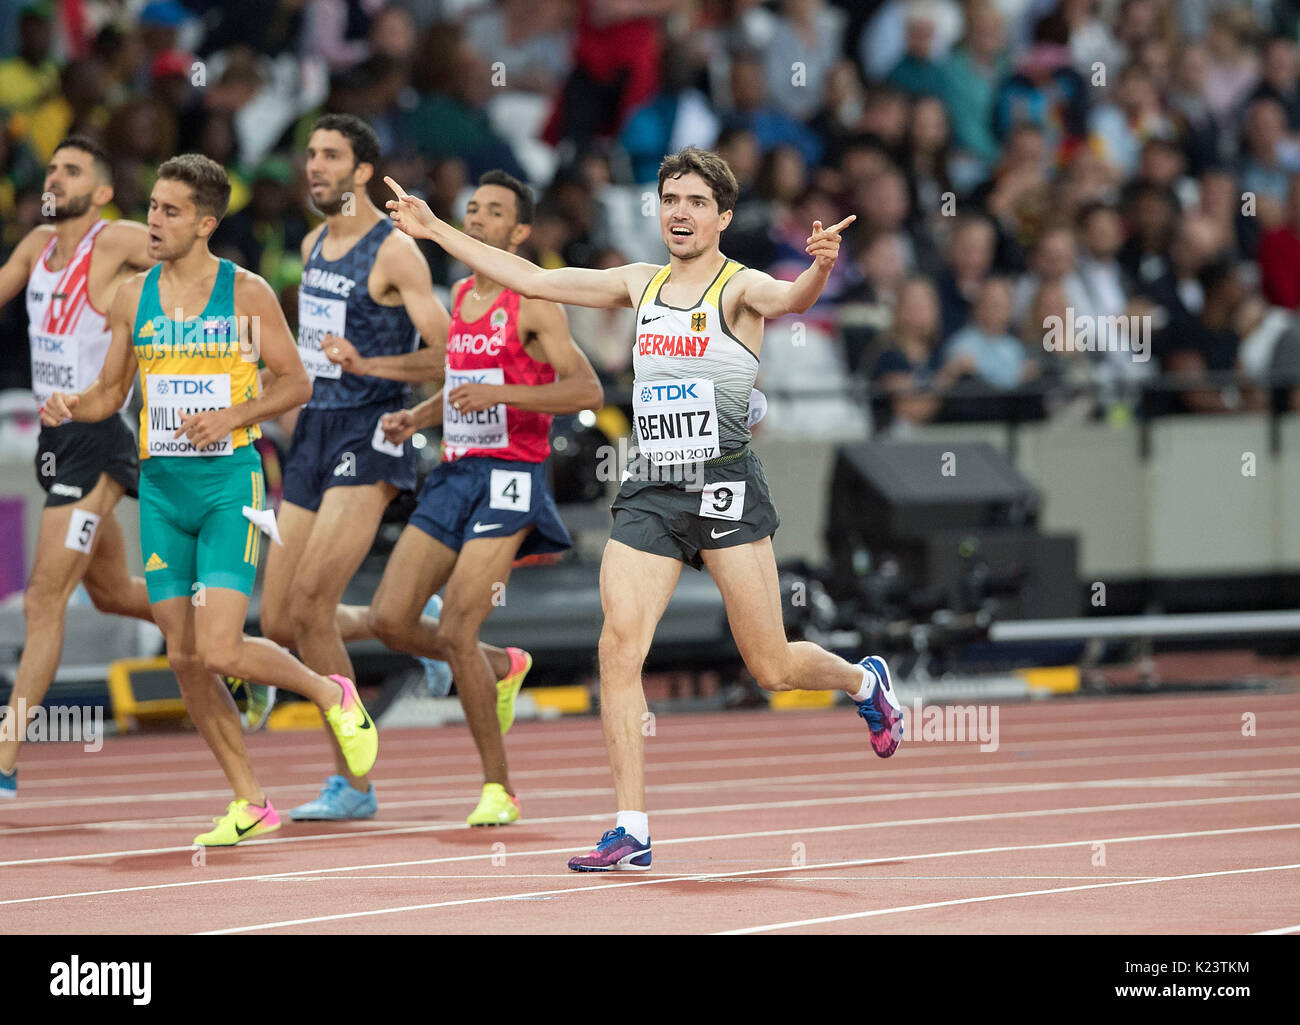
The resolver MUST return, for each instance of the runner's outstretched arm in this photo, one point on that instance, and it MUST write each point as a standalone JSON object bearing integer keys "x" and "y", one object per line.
{"x": 110, "y": 389}
{"x": 427, "y": 364}
{"x": 768, "y": 297}
{"x": 577, "y": 285}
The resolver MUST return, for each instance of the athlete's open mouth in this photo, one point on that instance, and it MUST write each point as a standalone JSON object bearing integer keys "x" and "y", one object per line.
{"x": 681, "y": 231}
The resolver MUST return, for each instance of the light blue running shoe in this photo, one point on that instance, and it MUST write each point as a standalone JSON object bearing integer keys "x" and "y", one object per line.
{"x": 9, "y": 783}
{"x": 437, "y": 675}
{"x": 338, "y": 801}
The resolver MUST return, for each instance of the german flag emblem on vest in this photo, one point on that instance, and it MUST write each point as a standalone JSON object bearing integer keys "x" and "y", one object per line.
{"x": 698, "y": 320}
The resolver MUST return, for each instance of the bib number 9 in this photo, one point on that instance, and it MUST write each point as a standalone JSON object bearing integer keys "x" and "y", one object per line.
{"x": 724, "y": 500}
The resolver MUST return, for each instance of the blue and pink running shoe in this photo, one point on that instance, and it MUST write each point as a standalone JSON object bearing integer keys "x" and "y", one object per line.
{"x": 618, "y": 851}
{"x": 881, "y": 710}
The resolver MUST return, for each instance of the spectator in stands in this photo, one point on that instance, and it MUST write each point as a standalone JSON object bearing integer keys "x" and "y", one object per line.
{"x": 928, "y": 163}
{"x": 746, "y": 238}
{"x": 1211, "y": 345}
{"x": 1051, "y": 265}
{"x": 884, "y": 40}
{"x": 1279, "y": 255}
{"x": 971, "y": 77}
{"x": 75, "y": 109}
{"x": 885, "y": 118}
{"x": 918, "y": 73}
{"x": 269, "y": 28}
{"x": 1219, "y": 199}
{"x": 1018, "y": 195}
{"x": 1198, "y": 125}
{"x": 615, "y": 68}
{"x": 1233, "y": 70}
{"x": 985, "y": 347}
{"x": 530, "y": 38}
{"x": 449, "y": 120}
{"x": 751, "y": 110}
{"x": 339, "y": 31}
{"x": 805, "y": 46}
{"x": 268, "y": 232}
{"x": 1270, "y": 158}
{"x": 1151, "y": 211}
{"x": 967, "y": 262}
{"x": 1118, "y": 130}
{"x": 1068, "y": 371}
{"x": 1091, "y": 41}
{"x": 677, "y": 115}
{"x": 31, "y": 77}
{"x": 1099, "y": 285}
{"x": 1043, "y": 90}
{"x": 883, "y": 203}
{"x": 909, "y": 369}
{"x": 20, "y": 171}
{"x": 1280, "y": 70}
{"x": 839, "y": 120}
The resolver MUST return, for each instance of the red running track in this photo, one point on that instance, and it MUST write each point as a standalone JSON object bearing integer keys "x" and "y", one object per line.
{"x": 1119, "y": 815}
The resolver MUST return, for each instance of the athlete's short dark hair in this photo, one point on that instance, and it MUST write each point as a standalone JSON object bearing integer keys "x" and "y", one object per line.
{"x": 103, "y": 166}
{"x": 523, "y": 194}
{"x": 361, "y": 137}
{"x": 709, "y": 166}
{"x": 205, "y": 177}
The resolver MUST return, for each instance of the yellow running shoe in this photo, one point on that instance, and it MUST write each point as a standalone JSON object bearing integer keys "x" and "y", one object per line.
{"x": 508, "y": 688}
{"x": 354, "y": 729}
{"x": 242, "y": 821}
{"x": 495, "y": 807}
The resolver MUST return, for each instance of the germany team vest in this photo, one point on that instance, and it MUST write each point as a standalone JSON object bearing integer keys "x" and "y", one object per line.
{"x": 690, "y": 397}
{"x": 488, "y": 351}
{"x": 192, "y": 367}
{"x": 69, "y": 337}
{"x": 335, "y": 299}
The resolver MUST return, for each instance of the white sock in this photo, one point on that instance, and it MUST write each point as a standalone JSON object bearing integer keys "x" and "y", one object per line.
{"x": 868, "y": 682}
{"x": 637, "y": 824}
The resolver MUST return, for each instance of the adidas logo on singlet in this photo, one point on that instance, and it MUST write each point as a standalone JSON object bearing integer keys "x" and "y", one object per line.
{"x": 154, "y": 563}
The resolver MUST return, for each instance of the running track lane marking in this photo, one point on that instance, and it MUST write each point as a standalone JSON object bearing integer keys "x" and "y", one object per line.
{"x": 705, "y": 877}
{"x": 1279, "y": 932}
{"x": 264, "y": 876}
{"x": 1009, "y": 765}
{"x": 906, "y": 795}
{"x": 1000, "y": 896}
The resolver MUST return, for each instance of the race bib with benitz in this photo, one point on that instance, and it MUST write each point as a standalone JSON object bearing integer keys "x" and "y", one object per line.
{"x": 171, "y": 395}
{"x": 486, "y": 428}
{"x": 318, "y": 317}
{"x": 676, "y": 421}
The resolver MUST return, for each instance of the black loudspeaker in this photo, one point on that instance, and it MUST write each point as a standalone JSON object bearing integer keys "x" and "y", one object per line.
{"x": 956, "y": 522}
{"x": 898, "y": 490}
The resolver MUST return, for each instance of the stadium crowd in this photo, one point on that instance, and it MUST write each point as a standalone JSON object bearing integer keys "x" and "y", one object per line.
{"x": 1027, "y": 174}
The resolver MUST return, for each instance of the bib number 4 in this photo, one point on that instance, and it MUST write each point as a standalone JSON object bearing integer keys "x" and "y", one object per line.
{"x": 511, "y": 489}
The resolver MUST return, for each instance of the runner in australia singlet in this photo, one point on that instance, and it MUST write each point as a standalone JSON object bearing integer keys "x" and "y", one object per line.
{"x": 191, "y": 367}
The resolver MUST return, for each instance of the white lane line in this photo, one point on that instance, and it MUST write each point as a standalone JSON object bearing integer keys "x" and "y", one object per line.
{"x": 1000, "y": 896}
{"x": 797, "y": 831}
{"x": 996, "y": 789}
{"x": 707, "y": 877}
{"x": 763, "y": 726}
{"x": 1279, "y": 932}
{"x": 654, "y": 766}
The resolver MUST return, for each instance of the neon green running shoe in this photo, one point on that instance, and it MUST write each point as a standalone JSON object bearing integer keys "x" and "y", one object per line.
{"x": 495, "y": 807}
{"x": 242, "y": 821}
{"x": 508, "y": 688}
{"x": 255, "y": 708}
{"x": 355, "y": 730}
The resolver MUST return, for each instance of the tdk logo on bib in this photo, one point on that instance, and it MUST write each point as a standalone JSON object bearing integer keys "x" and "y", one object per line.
{"x": 45, "y": 343}
{"x": 315, "y": 307}
{"x": 668, "y": 392}
{"x": 181, "y": 386}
